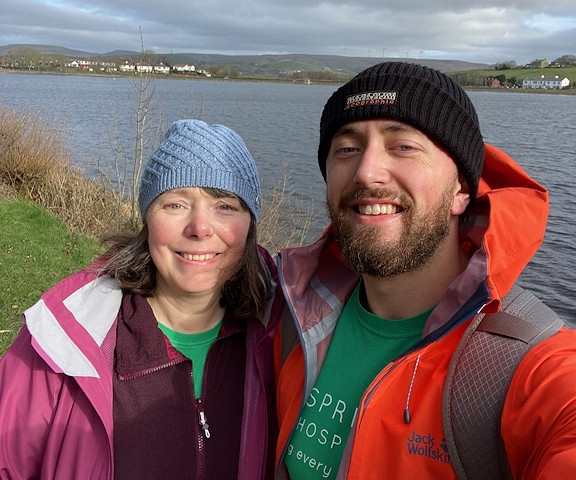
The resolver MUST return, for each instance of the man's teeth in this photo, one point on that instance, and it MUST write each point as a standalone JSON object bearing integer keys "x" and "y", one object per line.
{"x": 377, "y": 209}
{"x": 198, "y": 258}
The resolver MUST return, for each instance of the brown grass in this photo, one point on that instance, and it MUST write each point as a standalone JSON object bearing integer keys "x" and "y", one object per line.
{"x": 35, "y": 166}
{"x": 284, "y": 221}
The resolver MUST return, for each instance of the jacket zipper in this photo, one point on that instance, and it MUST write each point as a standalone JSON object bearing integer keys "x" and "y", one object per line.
{"x": 204, "y": 432}
{"x": 146, "y": 371}
{"x": 407, "y": 407}
{"x": 303, "y": 401}
{"x": 202, "y": 419}
{"x": 369, "y": 393}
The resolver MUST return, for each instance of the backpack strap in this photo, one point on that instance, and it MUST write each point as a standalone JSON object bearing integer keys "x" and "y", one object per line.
{"x": 478, "y": 378}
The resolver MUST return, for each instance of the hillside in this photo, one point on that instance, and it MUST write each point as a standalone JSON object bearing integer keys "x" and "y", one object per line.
{"x": 255, "y": 64}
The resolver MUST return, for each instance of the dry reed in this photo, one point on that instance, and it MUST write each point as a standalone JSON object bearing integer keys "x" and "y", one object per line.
{"x": 36, "y": 166}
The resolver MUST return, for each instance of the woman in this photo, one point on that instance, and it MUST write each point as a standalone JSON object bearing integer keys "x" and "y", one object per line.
{"x": 156, "y": 362}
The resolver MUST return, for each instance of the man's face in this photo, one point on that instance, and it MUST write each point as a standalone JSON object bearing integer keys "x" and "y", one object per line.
{"x": 392, "y": 195}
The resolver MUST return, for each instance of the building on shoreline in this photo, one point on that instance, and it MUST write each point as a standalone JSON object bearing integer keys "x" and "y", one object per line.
{"x": 556, "y": 82}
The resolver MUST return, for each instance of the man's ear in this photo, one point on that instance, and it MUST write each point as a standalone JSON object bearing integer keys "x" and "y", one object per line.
{"x": 461, "y": 196}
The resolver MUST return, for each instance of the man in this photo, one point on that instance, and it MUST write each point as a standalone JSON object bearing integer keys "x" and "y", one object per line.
{"x": 430, "y": 226}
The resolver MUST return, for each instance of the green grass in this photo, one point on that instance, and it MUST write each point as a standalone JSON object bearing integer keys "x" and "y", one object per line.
{"x": 36, "y": 251}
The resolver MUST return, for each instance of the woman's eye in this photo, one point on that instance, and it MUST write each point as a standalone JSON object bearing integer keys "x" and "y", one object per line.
{"x": 228, "y": 208}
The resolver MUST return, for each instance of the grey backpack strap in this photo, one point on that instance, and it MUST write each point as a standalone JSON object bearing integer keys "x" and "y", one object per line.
{"x": 478, "y": 379}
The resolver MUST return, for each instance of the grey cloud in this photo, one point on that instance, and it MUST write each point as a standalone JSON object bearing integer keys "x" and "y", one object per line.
{"x": 485, "y": 31}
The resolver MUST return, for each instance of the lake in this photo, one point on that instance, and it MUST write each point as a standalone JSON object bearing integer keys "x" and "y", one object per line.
{"x": 279, "y": 123}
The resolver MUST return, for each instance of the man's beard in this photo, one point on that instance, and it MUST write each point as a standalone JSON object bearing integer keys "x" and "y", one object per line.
{"x": 366, "y": 254}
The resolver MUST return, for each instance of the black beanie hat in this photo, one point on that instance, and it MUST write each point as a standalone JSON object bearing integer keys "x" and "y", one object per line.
{"x": 420, "y": 96}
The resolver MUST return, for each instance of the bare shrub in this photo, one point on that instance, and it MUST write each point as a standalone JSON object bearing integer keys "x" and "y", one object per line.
{"x": 284, "y": 221}
{"x": 35, "y": 166}
{"x": 122, "y": 173}
{"x": 28, "y": 150}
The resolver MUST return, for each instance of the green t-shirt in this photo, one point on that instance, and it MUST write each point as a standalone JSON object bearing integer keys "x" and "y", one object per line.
{"x": 195, "y": 346}
{"x": 362, "y": 345}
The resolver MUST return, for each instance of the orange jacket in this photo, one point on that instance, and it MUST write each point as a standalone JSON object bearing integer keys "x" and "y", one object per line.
{"x": 501, "y": 232}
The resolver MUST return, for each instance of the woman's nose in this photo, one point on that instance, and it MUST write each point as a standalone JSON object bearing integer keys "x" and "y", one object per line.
{"x": 198, "y": 225}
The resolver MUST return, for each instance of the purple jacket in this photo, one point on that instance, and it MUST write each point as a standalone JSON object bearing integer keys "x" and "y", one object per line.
{"x": 56, "y": 420}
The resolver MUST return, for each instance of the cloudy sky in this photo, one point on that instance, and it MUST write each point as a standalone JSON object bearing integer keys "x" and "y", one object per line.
{"x": 486, "y": 31}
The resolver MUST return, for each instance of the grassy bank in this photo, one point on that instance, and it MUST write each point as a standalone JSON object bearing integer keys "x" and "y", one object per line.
{"x": 50, "y": 215}
{"x": 36, "y": 251}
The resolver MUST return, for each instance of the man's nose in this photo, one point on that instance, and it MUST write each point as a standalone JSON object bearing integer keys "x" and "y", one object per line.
{"x": 373, "y": 166}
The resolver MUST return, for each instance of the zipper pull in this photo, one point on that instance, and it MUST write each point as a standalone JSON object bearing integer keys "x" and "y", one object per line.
{"x": 204, "y": 423}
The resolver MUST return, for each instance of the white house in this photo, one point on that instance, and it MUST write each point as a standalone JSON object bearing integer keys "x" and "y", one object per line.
{"x": 546, "y": 82}
{"x": 163, "y": 69}
{"x": 144, "y": 68}
{"x": 183, "y": 68}
{"x": 127, "y": 67}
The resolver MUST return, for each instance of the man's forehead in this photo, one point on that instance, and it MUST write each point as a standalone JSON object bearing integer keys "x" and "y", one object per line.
{"x": 384, "y": 124}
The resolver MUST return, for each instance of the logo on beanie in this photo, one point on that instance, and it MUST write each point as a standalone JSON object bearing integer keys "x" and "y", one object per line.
{"x": 370, "y": 98}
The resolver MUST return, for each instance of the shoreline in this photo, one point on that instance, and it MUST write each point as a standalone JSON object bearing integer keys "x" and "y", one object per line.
{"x": 566, "y": 91}
{"x": 173, "y": 77}
{"x": 541, "y": 91}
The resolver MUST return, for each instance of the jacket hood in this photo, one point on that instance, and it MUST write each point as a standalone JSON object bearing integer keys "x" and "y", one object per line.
{"x": 500, "y": 232}
{"x": 515, "y": 208}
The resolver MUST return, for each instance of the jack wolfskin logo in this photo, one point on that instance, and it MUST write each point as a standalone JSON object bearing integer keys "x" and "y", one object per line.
{"x": 424, "y": 445}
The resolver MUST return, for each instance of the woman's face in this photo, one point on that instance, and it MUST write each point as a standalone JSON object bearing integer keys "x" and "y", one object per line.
{"x": 196, "y": 240}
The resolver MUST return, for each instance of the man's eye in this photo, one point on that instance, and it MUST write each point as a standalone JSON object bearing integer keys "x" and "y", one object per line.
{"x": 346, "y": 150}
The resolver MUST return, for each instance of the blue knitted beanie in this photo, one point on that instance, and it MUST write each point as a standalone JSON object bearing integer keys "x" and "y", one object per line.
{"x": 195, "y": 154}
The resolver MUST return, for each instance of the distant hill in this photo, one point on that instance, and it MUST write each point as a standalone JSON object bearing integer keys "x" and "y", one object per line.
{"x": 257, "y": 64}
{"x": 46, "y": 49}
{"x": 305, "y": 62}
